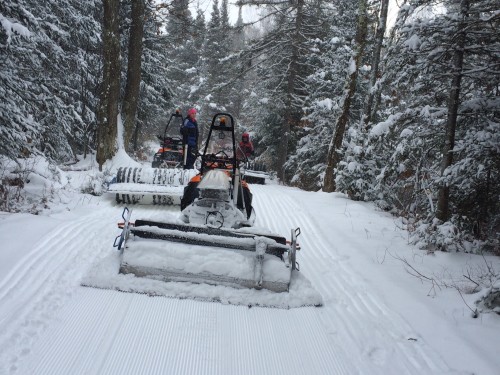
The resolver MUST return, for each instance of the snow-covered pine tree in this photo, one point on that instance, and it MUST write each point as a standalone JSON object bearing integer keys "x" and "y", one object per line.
{"x": 49, "y": 76}
{"x": 277, "y": 97}
{"x": 329, "y": 53}
{"x": 237, "y": 80}
{"x": 356, "y": 171}
{"x": 408, "y": 142}
{"x": 179, "y": 50}
{"x": 213, "y": 52}
{"x": 156, "y": 101}
{"x": 341, "y": 123}
{"x": 18, "y": 89}
{"x": 198, "y": 68}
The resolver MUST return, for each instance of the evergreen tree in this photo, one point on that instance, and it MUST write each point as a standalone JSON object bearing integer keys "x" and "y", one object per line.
{"x": 405, "y": 149}
{"x": 280, "y": 59}
{"x": 19, "y": 130}
{"x": 49, "y": 76}
{"x": 329, "y": 53}
{"x": 213, "y": 51}
{"x": 156, "y": 99}
{"x": 334, "y": 153}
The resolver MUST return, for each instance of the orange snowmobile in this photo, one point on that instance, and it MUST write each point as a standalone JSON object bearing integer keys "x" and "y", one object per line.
{"x": 171, "y": 153}
{"x": 213, "y": 241}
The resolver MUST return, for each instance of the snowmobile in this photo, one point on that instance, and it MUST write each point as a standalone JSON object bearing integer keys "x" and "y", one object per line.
{"x": 170, "y": 153}
{"x": 162, "y": 184}
{"x": 213, "y": 242}
{"x": 254, "y": 172}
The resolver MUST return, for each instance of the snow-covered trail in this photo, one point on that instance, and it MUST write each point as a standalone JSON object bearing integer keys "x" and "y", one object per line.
{"x": 51, "y": 325}
{"x": 362, "y": 325}
{"x": 44, "y": 280}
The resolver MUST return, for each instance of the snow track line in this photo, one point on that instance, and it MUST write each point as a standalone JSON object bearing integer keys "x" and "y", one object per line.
{"x": 364, "y": 304}
{"x": 105, "y": 332}
{"x": 37, "y": 287}
{"x": 97, "y": 345}
{"x": 38, "y": 266}
{"x": 23, "y": 268}
{"x": 349, "y": 289}
{"x": 287, "y": 210}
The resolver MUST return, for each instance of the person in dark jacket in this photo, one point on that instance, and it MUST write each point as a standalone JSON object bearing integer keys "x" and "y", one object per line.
{"x": 189, "y": 132}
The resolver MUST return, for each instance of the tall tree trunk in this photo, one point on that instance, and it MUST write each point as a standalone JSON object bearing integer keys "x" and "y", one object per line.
{"x": 333, "y": 158}
{"x": 290, "y": 115}
{"x": 379, "y": 41}
{"x": 110, "y": 90}
{"x": 443, "y": 203}
{"x": 132, "y": 87}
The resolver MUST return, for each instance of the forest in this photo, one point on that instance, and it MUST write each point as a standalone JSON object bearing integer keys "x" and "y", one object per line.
{"x": 396, "y": 103}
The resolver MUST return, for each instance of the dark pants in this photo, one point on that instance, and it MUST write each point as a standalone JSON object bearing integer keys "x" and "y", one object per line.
{"x": 190, "y": 157}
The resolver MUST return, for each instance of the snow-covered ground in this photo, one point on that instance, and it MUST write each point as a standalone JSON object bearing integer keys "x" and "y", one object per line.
{"x": 385, "y": 307}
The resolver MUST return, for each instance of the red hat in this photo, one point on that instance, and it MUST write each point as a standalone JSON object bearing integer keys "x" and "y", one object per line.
{"x": 192, "y": 111}
{"x": 245, "y": 136}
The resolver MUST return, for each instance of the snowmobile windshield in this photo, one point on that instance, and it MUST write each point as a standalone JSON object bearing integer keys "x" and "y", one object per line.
{"x": 221, "y": 144}
{"x": 219, "y": 151}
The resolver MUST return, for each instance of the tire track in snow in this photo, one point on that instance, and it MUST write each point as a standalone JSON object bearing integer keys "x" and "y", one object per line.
{"x": 370, "y": 311}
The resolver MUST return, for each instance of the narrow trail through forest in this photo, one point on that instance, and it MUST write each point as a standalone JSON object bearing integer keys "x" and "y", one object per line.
{"x": 54, "y": 326}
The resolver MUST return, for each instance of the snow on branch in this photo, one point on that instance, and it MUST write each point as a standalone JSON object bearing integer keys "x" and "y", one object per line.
{"x": 13, "y": 27}
{"x": 384, "y": 126}
{"x": 260, "y": 2}
{"x": 413, "y": 42}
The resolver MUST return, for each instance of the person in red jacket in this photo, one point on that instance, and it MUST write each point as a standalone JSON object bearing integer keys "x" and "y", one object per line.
{"x": 246, "y": 147}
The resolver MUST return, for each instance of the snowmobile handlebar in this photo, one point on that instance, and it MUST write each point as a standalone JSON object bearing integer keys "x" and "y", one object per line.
{"x": 219, "y": 160}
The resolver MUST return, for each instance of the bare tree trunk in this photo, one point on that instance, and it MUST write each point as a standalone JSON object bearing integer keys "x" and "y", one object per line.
{"x": 442, "y": 210}
{"x": 110, "y": 90}
{"x": 290, "y": 116}
{"x": 379, "y": 41}
{"x": 350, "y": 89}
{"x": 132, "y": 87}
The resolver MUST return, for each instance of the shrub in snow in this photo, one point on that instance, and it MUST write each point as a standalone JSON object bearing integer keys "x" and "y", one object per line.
{"x": 490, "y": 299}
{"x": 27, "y": 185}
{"x": 95, "y": 183}
{"x": 448, "y": 236}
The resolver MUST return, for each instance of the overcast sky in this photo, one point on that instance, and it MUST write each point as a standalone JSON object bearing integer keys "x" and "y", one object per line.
{"x": 251, "y": 13}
